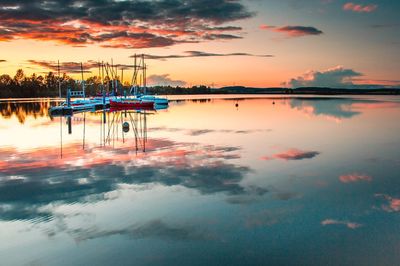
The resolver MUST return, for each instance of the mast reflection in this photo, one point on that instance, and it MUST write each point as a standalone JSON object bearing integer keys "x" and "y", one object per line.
{"x": 115, "y": 126}
{"x": 122, "y": 124}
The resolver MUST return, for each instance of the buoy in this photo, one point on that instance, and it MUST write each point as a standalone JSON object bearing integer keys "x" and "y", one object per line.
{"x": 125, "y": 127}
{"x": 273, "y": 102}
{"x": 237, "y": 105}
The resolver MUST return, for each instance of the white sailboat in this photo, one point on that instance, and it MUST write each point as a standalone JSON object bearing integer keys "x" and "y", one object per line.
{"x": 135, "y": 87}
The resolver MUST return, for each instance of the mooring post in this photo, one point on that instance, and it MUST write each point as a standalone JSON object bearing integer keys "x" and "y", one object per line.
{"x": 69, "y": 122}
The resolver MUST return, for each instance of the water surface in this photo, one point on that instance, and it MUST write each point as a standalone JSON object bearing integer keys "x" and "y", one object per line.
{"x": 238, "y": 181}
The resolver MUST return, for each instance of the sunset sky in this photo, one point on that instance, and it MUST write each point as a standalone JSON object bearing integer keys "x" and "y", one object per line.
{"x": 213, "y": 42}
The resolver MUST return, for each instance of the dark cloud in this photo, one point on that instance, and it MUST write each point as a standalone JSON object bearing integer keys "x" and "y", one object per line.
{"x": 224, "y": 28}
{"x": 337, "y": 77}
{"x": 197, "y": 132}
{"x": 221, "y": 36}
{"x": 3, "y": 61}
{"x": 293, "y": 31}
{"x": 189, "y": 54}
{"x": 122, "y": 24}
{"x": 141, "y": 40}
{"x": 74, "y": 67}
{"x": 65, "y": 67}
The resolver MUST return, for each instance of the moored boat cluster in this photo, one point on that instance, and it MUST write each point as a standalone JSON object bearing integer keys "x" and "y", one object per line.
{"x": 111, "y": 96}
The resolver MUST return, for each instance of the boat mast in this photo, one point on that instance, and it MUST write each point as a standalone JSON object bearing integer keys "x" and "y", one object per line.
{"x": 83, "y": 82}
{"x": 59, "y": 83}
{"x": 135, "y": 75}
{"x": 144, "y": 75}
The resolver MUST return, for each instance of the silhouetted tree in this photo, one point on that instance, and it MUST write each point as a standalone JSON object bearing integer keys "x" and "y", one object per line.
{"x": 19, "y": 77}
{"x": 47, "y": 86}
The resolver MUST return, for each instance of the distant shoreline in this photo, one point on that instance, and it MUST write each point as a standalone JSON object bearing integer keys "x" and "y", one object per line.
{"x": 240, "y": 90}
{"x": 309, "y": 91}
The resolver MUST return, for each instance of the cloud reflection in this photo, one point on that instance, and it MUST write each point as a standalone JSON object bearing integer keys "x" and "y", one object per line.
{"x": 350, "y": 225}
{"x": 336, "y": 108}
{"x": 355, "y": 177}
{"x": 151, "y": 229}
{"x": 392, "y": 204}
{"x": 267, "y": 217}
{"x": 292, "y": 154}
{"x": 30, "y": 180}
{"x": 198, "y": 132}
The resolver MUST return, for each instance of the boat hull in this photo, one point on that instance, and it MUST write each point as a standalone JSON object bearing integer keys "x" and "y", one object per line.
{"x": 60, "y": 111}
{"x": 128, "y": 104}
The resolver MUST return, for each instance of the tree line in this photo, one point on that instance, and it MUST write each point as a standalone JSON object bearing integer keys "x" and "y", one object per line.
{"x": 23, "y": 86}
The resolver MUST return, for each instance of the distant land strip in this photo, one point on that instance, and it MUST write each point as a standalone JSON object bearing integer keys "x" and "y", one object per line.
{"x": 308, "y": 90}
{"x": 201, "y": 90}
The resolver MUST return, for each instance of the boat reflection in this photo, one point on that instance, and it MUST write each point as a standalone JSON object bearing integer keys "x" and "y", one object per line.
{"x": 123, "y": 124}
{"x": 115, "y": 126}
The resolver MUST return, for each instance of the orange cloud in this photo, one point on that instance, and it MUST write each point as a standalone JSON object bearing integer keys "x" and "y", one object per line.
{"x": 355, "y": 177}
{"x": 359, "y": 8}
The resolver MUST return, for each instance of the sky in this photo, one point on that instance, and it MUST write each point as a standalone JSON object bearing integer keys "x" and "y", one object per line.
{"x": 289, "y": 43}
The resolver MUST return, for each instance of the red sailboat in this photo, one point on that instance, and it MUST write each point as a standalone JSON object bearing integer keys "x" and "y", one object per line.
{"x": 130, "y": 104}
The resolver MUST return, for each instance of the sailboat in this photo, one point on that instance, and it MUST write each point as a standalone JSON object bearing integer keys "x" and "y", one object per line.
{"x": 79, "y": 105}
{"x": 135, "y": 88}
{"x": 127, "y": 103}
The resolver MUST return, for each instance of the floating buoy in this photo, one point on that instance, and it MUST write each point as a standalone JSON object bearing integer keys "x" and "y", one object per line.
{"x": 125, "y": 127}
{"x": 273, "y": 102}
{"x": 237, "y": 105}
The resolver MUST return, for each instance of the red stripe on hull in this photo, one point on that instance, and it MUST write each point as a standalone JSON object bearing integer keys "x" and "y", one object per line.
{"x": 131, "y": 105}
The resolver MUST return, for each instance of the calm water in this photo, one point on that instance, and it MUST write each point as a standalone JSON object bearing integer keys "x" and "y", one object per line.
{"x": 270, "y": 181}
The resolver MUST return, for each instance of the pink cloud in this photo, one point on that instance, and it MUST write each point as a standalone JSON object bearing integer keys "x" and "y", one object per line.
{"x": 393, "y": 203}
{"x": 350, "y": 225}
{"x": 292, "y": 154}
{"x": 360, "y": 8}
{"x": 355, "y": 177}
{"x": 293, "y": 31}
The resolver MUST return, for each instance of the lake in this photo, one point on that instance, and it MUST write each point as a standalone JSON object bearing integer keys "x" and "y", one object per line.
{"x": 212, "y": 180}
